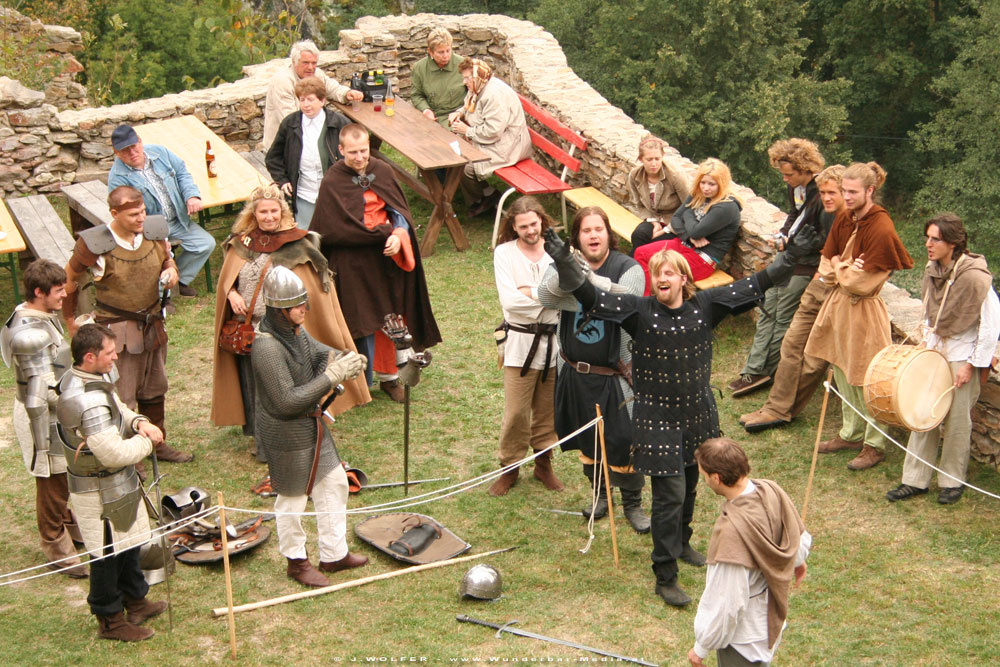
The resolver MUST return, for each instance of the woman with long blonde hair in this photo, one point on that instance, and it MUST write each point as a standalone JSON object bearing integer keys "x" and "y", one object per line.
{"x": 264, "y": 235}
{"x": 704, "y": 229}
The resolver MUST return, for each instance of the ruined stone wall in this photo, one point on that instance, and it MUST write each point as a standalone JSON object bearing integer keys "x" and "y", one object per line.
{"x": 40, "y": 148}
{"x": 58, "y": 44}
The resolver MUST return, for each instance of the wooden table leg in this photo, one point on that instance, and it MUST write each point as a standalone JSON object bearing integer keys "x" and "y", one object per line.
{"x": 443, "y": 213}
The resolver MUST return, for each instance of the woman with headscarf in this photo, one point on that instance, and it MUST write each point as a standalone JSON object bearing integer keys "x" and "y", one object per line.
{"x": 263, "y": 235}
{"x": 493, "y": 120}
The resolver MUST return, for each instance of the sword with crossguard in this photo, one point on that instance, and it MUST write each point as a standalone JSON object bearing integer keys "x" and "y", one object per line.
{"x": 462, "y": 618}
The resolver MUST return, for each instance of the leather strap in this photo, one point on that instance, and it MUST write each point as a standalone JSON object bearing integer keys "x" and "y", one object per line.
{"x": 584, "y": 368}
{"x": 319, "y": 445}
{"x": 256, "y": 291}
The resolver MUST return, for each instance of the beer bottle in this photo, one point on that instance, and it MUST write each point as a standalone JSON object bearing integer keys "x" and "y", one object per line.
{"x": 379, "y": 80}
{"x": 210, "y": 160}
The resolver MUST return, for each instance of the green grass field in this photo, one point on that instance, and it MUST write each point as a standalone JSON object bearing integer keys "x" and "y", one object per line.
{"x": 889, "y": 584}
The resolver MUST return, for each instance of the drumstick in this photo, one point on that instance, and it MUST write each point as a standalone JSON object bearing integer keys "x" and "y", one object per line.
{"x": 819, "y": 435}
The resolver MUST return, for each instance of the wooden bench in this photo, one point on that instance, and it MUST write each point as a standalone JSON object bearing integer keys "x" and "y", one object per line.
{"x": 11, "y": 245}
{"x": 42, "y": 229}
{"x": 256, "y": 158}
{"x": 623, "y": 221}
{"x": 717, "y": 279}
{"x": 88, "y": 204}
{"x": 530, "y": 178}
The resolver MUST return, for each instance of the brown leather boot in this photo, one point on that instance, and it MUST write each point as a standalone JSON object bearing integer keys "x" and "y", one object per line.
{"x": 346, "y": 563}
{"x": 545, "y": 474}
{"x": 868, "y": 458}
{"x": 838, "y": 444}
{"x": 61, "y": 549}
{"x": 504, "y": 482}
{"x": 165, "y": 452}
{"x": 394, "y": 389}
{"x": 302, "y": 571}
{"x": 116, "y": 627}
{"x": 142, "y": 609}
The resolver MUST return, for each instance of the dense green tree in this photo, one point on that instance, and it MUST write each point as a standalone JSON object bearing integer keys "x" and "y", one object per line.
{"x": 712, "y": 77}
{"x": 961, "y": 139}
{"x": 890, "y": 50}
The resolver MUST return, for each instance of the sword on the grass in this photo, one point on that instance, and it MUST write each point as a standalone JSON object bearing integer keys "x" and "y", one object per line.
{"x": 462, "y": 618}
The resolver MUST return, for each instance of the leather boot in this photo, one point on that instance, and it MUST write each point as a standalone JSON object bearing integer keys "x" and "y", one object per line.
{"x": 116, "y": 627}
{"x": 545, "y": 474}
{"x": 142, "y": 609}
{"x": 155, "y": 411}
{"x": 601, "y": 510}
{"x": 346, "y": 563}
{"x": 632, "y": 506}
{"x": 165, "y": 452}
{"x": 60, "y": 549}
{"x": 504, "y": 482}
{"x": 868, "y": 458}
{"x": 302, "y": 571}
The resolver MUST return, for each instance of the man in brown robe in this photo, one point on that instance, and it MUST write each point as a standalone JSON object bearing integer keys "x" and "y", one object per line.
{"x": 861, "y": 252}
{"x": 367, "y": 235}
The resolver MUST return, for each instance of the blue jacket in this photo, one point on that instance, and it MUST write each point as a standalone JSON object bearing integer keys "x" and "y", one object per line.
{"x": 176, "y": 178}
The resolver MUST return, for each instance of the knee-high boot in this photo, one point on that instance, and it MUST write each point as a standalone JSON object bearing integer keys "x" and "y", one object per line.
{"x": 601, "y": 510}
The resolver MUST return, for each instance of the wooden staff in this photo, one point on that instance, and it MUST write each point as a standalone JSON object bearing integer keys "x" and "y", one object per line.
{"x": 229, "y": 578}
{"x": 819, "y": 435}
{"x": 607, "y": 484}
{"x": 219, "y": 611}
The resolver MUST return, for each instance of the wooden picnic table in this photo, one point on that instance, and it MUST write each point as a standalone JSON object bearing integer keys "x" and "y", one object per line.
{"x": 429, "y": 147}
{"x": 185, "y": 137}
{"x": 88, "y": 204}
{"x": 11, "y": 244}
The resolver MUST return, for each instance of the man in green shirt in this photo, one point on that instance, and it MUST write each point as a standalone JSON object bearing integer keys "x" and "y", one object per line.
{"x": 437, "y": 84}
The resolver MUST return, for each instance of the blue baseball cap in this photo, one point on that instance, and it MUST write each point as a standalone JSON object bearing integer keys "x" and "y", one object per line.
{"x": 123, "y": 137}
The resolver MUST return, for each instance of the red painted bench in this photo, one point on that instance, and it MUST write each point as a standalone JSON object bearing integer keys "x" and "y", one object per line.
{"x": 530, "y": 178}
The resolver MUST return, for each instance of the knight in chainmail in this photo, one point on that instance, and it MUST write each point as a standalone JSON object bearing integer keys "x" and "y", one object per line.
{"x": 102, "y": 440}
{"x": 595, "y": 364}
{"x": 293, "y": 372}
{"x": 32, "y": 343}
{"x": 674, "y": 408}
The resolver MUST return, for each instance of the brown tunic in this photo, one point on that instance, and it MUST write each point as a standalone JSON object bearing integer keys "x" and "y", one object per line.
{"x": 852, "y": 326}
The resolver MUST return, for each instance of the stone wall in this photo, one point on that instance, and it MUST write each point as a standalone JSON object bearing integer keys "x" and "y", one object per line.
{"x": 59, "y": 43}
{"x": 75, "y": 145}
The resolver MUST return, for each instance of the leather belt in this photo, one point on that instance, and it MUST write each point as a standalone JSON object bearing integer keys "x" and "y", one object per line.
{"x": 537, "y": 330}
{"x": 584, "y": 368}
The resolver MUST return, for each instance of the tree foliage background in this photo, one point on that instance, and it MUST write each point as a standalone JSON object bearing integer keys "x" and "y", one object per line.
{"x": 912, "y": 85}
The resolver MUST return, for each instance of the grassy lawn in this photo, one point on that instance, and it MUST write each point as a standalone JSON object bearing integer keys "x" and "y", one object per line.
{"x": 906, "y": 583}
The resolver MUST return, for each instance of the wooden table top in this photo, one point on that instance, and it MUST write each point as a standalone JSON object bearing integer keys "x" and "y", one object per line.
{"x": 11, "y": 240}
{"x": 186, "y": 137}
{"x": 90, "y": 200}
{"x": 420, "y": 139}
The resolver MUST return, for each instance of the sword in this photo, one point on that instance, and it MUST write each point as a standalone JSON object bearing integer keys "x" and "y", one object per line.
{"x": 163, "y": 542}
{"x": 386, "y": 485}
{"x": 406, "y": 440}
{"x": 462, "y": 618}
{"x": 555, "y": 511}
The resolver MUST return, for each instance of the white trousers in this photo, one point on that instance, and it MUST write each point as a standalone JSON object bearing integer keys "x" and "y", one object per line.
{"x": 330, "y": 499}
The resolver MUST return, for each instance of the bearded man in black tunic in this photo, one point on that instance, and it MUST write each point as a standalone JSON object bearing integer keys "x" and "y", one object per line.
{"x": 595, "y": 364}
{"x": 674, "y": 408}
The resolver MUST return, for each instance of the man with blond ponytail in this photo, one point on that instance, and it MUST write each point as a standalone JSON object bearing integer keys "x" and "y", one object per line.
{"x": 852, "y": 326}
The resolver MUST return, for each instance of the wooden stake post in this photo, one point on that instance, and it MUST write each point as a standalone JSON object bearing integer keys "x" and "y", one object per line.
{"x": 229, "y": 577}
{"x": 819, "y": 436}
{"x": 607, "y": 484}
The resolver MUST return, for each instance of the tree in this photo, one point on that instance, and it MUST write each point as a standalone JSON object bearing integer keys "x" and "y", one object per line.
{"x": 712, "y": 77}
{"x": 890, "y": 50}
{"x": 960, "y": 140}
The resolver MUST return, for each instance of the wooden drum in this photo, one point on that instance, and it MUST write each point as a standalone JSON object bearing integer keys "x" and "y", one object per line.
{"x": 909, "y": 386}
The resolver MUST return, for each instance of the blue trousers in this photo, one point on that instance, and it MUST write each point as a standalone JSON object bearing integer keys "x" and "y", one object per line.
{"x": 196, "y": 247}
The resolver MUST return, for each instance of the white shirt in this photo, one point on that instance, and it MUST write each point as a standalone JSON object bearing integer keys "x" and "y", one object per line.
{"x": 512, "y": 270}
{"x": 310, "y": 165}
{"x": 977, "y": 343}
{"x": 733, "y": 608}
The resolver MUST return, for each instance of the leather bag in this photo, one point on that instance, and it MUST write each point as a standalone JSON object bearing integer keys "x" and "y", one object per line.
{"x": 235, "y": 336}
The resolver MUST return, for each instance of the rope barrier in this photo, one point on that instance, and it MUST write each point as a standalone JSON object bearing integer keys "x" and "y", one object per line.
{"x": 873, "y": 423}
{"x": 431, "y": 496}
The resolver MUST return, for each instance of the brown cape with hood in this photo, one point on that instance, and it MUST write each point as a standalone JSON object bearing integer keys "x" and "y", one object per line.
{"x": 370, "y": 284}
{"x": 971, "y": 283}
{"x": 324, "y": 320}
{"x": 852, "y": 326}
{"x": 761, "y": 531}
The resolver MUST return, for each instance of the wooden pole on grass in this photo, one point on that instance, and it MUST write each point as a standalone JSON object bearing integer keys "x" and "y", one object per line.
{"x": 219, "y": 611}
{"x": 229, "y": 578}
{"x": 607, "y": 484}
{"x": 819, "y": 436}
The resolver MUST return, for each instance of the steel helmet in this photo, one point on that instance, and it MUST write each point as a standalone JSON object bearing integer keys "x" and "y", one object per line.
{"x": 283, "y": 289}
{"x": 482, "y": 582}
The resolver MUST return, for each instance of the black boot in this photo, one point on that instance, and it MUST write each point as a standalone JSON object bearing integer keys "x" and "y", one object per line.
{"x": 601, "y": 510}
{"x": 632, "y": 505}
